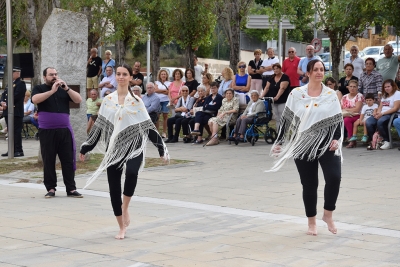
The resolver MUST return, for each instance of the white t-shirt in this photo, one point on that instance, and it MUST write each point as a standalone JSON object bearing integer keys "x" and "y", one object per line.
{"x": 368, "y": 110}
{"x": 388, "y": 103}
{"x": 269, "y": 62}
{"x": 162, "y": 97}
{"x": 358, "y": 63}
{"x": 198, "y": 69}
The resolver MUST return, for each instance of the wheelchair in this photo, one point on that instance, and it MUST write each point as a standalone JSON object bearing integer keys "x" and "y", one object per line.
{"x": 259, "y": 128}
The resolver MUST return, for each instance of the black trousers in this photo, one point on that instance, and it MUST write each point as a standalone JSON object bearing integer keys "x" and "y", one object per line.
{"x": 265, "y": 79}
{"x": 114, "y": 182}
{"x": 185, "y": 125}
{"x": 55, "y": 142}
{"x": 202, "y": 118}
{"x": 153, "y": 117}
{"x": 17, "y": 133}
{"x": 308, "y": 170}
{"x": 178, "y": 124}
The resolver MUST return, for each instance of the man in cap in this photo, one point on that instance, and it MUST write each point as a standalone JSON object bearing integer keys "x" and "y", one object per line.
{"x": 19, "y": 89}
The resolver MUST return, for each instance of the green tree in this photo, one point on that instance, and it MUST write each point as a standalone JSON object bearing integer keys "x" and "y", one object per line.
{"x": 194, "y": 23}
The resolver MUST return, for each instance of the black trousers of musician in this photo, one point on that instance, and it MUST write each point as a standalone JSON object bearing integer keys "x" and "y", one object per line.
{"x": 114, "y": 174}
{"x": 308, "y": 170}
{"x": 18, "y": 124}
{"x": 55, "y": 142}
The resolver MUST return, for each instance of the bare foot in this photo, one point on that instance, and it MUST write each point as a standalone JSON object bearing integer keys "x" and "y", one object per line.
{"x": 121, "y": 234}
{"x": 125, "y": 217}
{"x": 312, "y": 226}
{"x": 329, "y": 221}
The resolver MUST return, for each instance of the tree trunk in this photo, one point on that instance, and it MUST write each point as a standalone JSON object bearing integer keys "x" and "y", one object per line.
{"x": 234, "y": 38}
{"x": 34, "y": 40}
{"x": 335, "y": 53}
{"x": 155, "y": 56}
{"x": 189, "y": 53}
{"x": 120, "y": 52}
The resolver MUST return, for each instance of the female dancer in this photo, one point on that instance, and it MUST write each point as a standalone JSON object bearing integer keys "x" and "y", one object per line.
{"x": 311, "y": 132}
{"x": 123, "y": 126}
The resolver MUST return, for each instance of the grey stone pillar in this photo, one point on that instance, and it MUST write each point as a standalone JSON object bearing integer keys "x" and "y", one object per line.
{"x": 64, "y": 47}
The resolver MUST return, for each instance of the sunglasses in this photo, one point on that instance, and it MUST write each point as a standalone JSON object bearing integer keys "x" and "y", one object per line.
{"x": 291, "y": 52}
{"x": 242, "y": 66}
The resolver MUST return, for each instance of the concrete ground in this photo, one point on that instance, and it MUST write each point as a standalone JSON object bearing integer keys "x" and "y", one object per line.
{"x": 223, "y": 211}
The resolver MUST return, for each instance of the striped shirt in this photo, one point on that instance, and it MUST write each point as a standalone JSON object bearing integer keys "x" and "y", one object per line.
{"x": 370, "y": 83}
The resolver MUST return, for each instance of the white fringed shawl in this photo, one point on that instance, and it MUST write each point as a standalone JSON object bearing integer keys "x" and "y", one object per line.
{"x": 307, "y": 126}
{"x": 123, "y": 131}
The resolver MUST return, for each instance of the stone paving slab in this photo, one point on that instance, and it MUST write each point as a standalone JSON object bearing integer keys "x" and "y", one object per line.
{"x": 222, "y": 211}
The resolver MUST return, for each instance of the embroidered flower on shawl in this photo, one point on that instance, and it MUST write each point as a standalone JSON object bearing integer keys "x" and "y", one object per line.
{"x": 315, "y": 105}
{"x": 306, "y": 106}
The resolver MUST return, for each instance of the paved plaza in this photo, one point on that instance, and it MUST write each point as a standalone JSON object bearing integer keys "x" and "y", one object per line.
{"x": 220, "y": 210}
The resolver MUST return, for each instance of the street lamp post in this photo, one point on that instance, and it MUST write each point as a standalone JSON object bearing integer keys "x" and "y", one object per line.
{"x": 10, "y": 97}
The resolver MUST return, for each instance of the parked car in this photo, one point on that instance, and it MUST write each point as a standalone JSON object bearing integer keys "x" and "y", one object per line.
{"x": 3, "y": 61}
{"x": 376, "y": 52}
{"x": 325, "y": 58}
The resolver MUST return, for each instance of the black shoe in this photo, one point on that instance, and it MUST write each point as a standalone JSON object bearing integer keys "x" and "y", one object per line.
{"x": 174, "y": 141}
{"x": 50, "y": 194}
{"x": 5, "y": 154}
{"x": 168, "y": 141}
{"x": 186, "y": 140}
{"x": 18, "y": 154}
{"x": 74, "y": 194}
{"x": 398, "y": 148}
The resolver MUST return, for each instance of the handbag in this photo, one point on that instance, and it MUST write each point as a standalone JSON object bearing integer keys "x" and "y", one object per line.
{"x": 196, "y": 109}
{"x": 178, "y": 114}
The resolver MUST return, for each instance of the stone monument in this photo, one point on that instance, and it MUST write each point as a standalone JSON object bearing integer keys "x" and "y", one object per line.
{"x": 64, "y": 47}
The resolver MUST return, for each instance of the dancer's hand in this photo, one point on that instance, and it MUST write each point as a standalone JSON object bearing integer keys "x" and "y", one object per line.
{"x": 334, "y": 145}
{"x": 81, "y": 157}
{"x": 276, "y": 150}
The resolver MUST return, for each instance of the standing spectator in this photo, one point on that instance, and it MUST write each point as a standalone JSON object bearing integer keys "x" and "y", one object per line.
{"x": 190, "y": 82}
{"x": 161, "y": 89}
{"x": 174, "y": 89}
{"x": 255, "y": 72}
{"x": 266, "y": 66}
{"x": 370, "y": 80}
{"x": 289, "y": 67}
{"x": 277, "y": 87}
{"x": 137, "y": 78}
{"x": 241, "y": 83}
{"x": 94, "y": 70}
{"x": 351, "y": 107}
{"x": 398, "y": 78}
{"x": 108, "y": 82}
{"x": 182, "y": 110}
{"x": 390, "y": 103}
{"x": 198, "y": 69}
{"x": 151, "y": 102}
{"x": 227, "y": 75}
{"x": 389, "y": 64}
{"x": 93, "y": 104}
{"x": 344, "y": 81}
{"x": 302, "y": 68}
{"x": 107, "y": 62}
{"x": 358, "y": 63}
{"x": 206, "y": 81}
{"x": 18, "y": 90}
{"x": 55, "y": 133}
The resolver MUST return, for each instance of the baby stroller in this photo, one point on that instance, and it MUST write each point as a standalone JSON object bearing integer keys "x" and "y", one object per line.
{"x": 259, "y": 127}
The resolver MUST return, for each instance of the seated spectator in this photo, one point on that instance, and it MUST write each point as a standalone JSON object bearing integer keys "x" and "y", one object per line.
{"x": 370, "y": 80}
{"x": 191, "y": 82}
{"x": 331, "y": 83}
{"x": 277, "y": 88}
{"x": 108, "y": 82}
{"x": 152, "y": 102}
{"x": 29, "y": 107}
{"x": 351, "y": 107}
{"x": 230, "y": 104}
{"x": 93, "y": 104}
{"x": 241, "y": 83}
{"x": 390, "y": 103}
{"x": 344, "y": 82}
{"x": 34, "y": 120}
{"x": 107, "y": 93}
{"x": 189, "y": 121}
{"x": 256, "y": 105}
{"x": 182, "y": 110}
{"x": 210, "y": 108}
{"x": 227, "y": 75}
{"x": 366, "y": 112}
{"x": 137, "y": 90}
{"x": 161, "y": 86}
